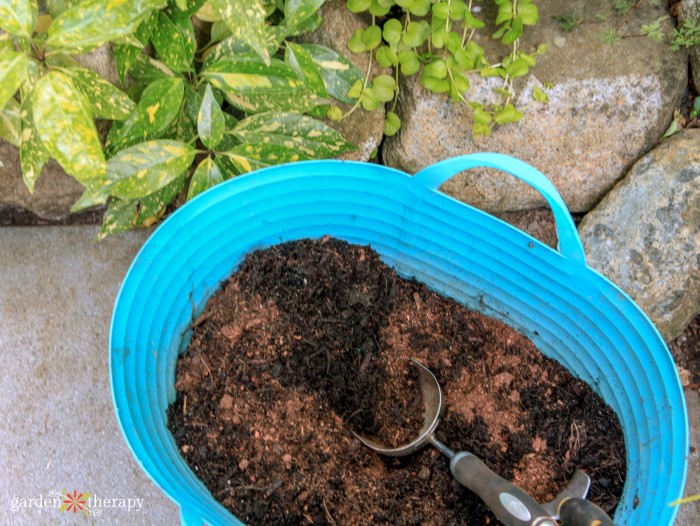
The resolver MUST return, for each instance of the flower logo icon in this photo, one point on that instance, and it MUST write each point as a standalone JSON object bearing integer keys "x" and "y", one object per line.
{"x": 75, "y": 502}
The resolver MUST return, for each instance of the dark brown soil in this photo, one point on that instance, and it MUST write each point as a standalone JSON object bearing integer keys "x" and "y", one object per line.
{"x": 310, "y": 340}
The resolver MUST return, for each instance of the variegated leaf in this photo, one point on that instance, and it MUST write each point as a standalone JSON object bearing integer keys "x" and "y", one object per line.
{"x": 227, "y": 167}
{"x": 18, "y": 17}
{"x": 120, "y": 216}
{"x": 174, "y": 48}
{"x": 246, "y": 19}
{"x": 153, "y": 206}
{"x": 126, "y": 55}
{"x": 91, "y": 23}
{"x": 9, "y": 122}
{"x": 107, "y": 101}
{"x": 13, "y": 70}
{"x": 210, "y": 120}
{"x": 193, "y": 101}
{"x": 242, "y": 161}
{"x": 148, "y": 69}
{"x": 252, "y": 86}
{"x": 338, "y": 73}
{"x": 157, "y": 109}
{"x": 306, "y": 135}
{"x": 32, "y": 154}
{"x": 64, "y": 123}
{"x": 231, "y": 48}
{"x": 297, "y": 11}
{"x": 307, "y": 26}
{"x": 205, "y": 176}
{"x": 147, "y": 167}
{"x": 94, "y": 194}
{"x": 300, "y": 60}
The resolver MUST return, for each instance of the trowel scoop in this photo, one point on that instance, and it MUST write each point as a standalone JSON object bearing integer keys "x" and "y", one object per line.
{"x": 510, "y": 504}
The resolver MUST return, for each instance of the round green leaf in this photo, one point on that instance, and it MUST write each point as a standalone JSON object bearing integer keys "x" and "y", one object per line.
{"x": 383, "y": 88}
{"x": 387, "y": 57}
{"x": 334, "y": 113}
{"x": 436, "y": 69}
{"x": 392, "y": 31}
{"x": 416, "y": 33}
{"x": 356, "y": 90}
{"x": 441, "y": 10}
{"x": 380, "y": 7}
{"x": 372, "y": 37}
{"x": 409, "y": 62}
{"x": 356, "y": 43}
{"x": 419, "y": 7}
{"x": 357, "y": 6}
{"x": 435, "y": 85}
{"x": 507, "y": 115}
{"x": 392, "y": 123}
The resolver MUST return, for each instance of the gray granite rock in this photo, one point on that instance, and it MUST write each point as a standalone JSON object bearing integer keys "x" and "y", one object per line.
{"x": 363, "y": 129}
{"x": 609, "y": 105}
{"x": 645, "y": 234}
{"x": 690, "y": 10}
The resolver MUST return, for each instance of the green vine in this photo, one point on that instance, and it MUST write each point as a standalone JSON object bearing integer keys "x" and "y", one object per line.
{"x": 438, "y": 39}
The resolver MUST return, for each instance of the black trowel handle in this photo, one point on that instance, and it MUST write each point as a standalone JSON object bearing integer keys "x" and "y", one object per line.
{"x": 511, "y": 505}
{"x": 582, "y": 512}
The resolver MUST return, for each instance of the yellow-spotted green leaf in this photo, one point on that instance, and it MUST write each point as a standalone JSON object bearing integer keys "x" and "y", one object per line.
{"x": 248, "y": 157}
{"x": 18, "y": 17}
{"x": 303, "y": 63}
{"x": 147, "y": 167}
{"x": 158, "y": 107}
{"x": 305, "y": 135}
{"x": 32, "y": 154}
{"x": 231, "y": 48}
{"x": 120, "y": 216}
{"x": 107, "y": 101}
{"x": 13, "y": 70}
{"x": 210, "y": 120}
{"x": 252, "y": 86}
{"x": 175, "y": 48}
{"x": 207, "y": 13}
{"x": 307, "y": 26}
{"x": 297, "y": 11}
{"x": 338, "y": 73}
{"x": 94, "y": 195}
{"x": 148, "y": 69}
{"x": 91, "y": 23}
{"x": 205, "y": 176}
{"x": 246, "y": 19}
{"x": 153, "y": 206}
{"x": 193, "y": 101}
{"x": 125, "y": 55}
{"x": 9, "y": 122}
{"x": 64, "y": 122}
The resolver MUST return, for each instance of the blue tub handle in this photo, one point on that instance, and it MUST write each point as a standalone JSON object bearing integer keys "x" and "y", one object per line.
{"x": 569, "y": 241}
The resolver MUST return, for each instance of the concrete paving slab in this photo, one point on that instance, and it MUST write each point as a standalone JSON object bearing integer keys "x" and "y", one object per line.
{"x": 689, "y": 514}
{"x": 59, "y": 431}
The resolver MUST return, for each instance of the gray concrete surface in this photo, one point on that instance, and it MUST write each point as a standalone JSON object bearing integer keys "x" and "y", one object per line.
{"x": 59, "y": 432}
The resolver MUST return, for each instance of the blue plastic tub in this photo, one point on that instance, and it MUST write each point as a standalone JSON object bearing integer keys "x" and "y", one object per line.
{"x": 572, "y": 313}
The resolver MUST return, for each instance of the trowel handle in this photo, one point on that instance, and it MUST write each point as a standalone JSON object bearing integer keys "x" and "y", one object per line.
{"x": 582, "y": 512}
{"x": 511, "y": 505}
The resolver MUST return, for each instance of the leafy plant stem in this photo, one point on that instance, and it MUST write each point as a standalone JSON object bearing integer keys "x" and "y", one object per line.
{"x": 364, "y": 86}
{"x": 628, "y": 14}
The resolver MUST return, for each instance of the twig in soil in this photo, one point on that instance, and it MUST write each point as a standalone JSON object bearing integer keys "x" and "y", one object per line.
{"x": 184, "y": 406}
{"x": 574, "y": 442}
{"x": 365, "y": 362}
{"x": 200, "y": 319}
{"x": 205, "y": 365}
{"x": 328, "y": 515}
{"x": 353, "y": 415}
